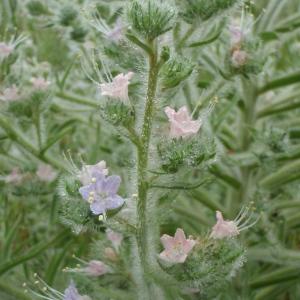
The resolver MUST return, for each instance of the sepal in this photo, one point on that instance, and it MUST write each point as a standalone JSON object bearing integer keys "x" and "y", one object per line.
{"x": 118, "y": 114}
{"x": 174, "y": 71}
{"x": 193, "y": 10}
{"x": 190, "y": 152}
{"x": 150, "y": 18}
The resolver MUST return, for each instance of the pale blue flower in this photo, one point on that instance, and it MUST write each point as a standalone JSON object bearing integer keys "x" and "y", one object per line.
{"x": 101, "y": 193}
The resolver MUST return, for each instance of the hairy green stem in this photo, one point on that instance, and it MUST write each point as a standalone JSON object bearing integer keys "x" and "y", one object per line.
{"x": 143, "y": 158}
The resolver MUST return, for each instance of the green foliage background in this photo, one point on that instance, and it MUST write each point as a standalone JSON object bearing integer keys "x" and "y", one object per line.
{"x": 255, "y": 122}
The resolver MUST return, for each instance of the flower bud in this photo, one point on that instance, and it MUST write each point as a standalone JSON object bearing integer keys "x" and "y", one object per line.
{"x": 150, "y": 18}
{"x": 203, "y": 9}
{"x": 37, "y": 8}
{"x": 118, "y": 113}
{"x": 67, "y": 16}
{"x": 174, "y": 71}
{"x": 181, "y": 152}
{"x": 78, "y": 33}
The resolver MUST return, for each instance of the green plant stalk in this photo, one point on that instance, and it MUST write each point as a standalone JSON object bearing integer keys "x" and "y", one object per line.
{"x": 142, "y": 164}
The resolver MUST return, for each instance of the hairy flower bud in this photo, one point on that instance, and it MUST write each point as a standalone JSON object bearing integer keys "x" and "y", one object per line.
{"x": 174, "y": 71}
{"x": 67, "y": 15}
{"x": 150, "y": 18}
{"x": 118, "y": 113}
{"x": 177, "y": 153}
{"x": 203, "y": 9}
{"x": 37, "y": 8}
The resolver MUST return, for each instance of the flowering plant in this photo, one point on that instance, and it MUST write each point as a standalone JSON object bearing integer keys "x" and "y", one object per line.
{"x": 149, "y": 149}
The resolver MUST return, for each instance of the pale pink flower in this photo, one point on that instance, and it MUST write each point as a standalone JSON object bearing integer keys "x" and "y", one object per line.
{"x": 226, "y": 228}
{"x": 6, "y": 49}
{"x": 118, "y": 87}
{"x": 116, "y": 33}
{"x": 40, "y": 83}
{"x": 239, "y": 58}
{"x": 181, "y": 123}
{"x": 115, "y": 238}
{"x": 15, "y": 176}
{"x": 10, "y": 94}
{"x": 88, "y": 172}
{"x": 95, "y": 268}
{"x": 46, "y": 173}
{"x": 177, "y": 248}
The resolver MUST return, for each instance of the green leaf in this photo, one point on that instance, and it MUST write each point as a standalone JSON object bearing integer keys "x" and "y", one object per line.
{"x": 285, "y": 174}
{"x": 278, "y": 276}
{"x": 268, "y": 36}
{"x": 280, "y": 82}
{"x": 206, "y": 199}
{"x": 78, "y": 100}
{"x": 219, "y": 172}
{"x": 212, "y": 36}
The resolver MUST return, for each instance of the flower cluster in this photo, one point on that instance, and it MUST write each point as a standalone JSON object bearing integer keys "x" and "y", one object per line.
{"x": 177, "y": 248}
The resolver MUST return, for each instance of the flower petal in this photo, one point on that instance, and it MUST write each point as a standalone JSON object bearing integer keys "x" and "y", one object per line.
{"x": 169, "y": 112}
{"x": 114, "y": 202}
{"x": 182, "y": 114}
{"x": 71, "y": 293}
{"x": 112, "y": 184}
{"x": 85, "y": 191}
{"x": 219, "y": 216}
{"x": 167, "y": 241}
{"x": 188, "y": 245}
{"x": 180, "y": 236}
{"x": 97, "y": 207}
